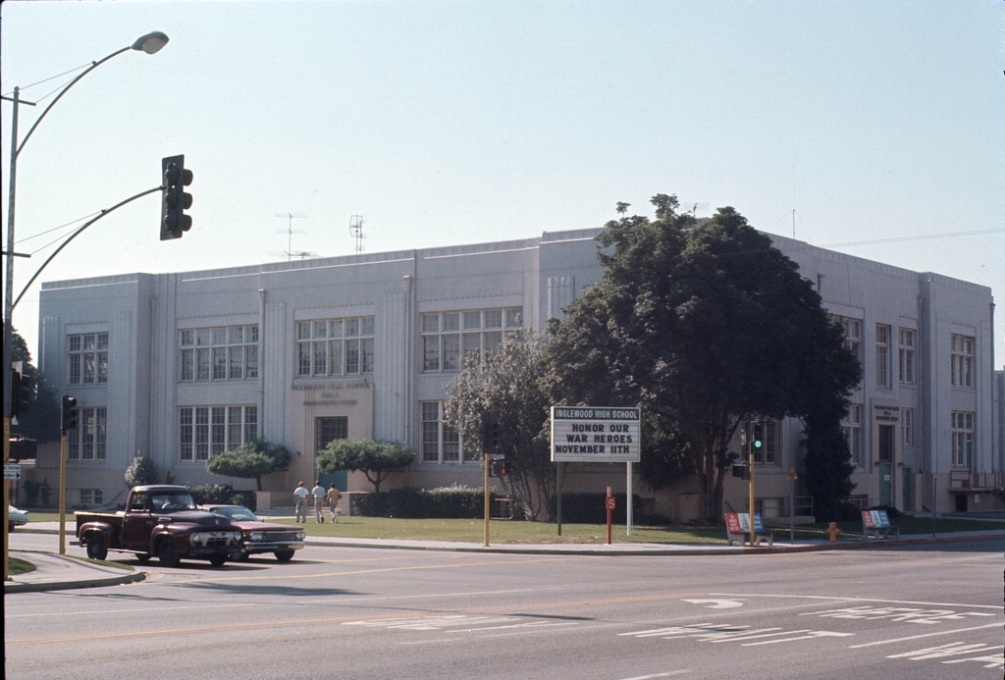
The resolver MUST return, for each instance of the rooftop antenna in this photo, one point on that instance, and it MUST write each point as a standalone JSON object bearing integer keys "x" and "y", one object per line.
{"x": 356, "y": 229}
{"x": 289, "y": 234}
{"x": 695, "y": 207}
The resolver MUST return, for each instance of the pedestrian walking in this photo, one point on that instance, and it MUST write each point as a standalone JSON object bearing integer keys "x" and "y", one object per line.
{"x": 300, "y": 501}
{"x": 319, "y": 502}
{"x": 333, "y": 498}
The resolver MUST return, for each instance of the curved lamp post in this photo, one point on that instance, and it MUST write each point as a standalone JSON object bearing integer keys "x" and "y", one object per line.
{"x": 151, "y": 43}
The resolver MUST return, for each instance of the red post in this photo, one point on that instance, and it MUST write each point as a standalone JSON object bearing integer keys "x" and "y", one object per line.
{"x": 610, "y": 508}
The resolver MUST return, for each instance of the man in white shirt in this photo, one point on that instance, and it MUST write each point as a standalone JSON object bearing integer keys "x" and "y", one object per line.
{"x": 319, "y": 494}
{"x": 300, "y": 499}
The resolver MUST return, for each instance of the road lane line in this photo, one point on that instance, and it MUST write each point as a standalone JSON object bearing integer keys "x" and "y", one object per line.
{"x": 924, "y": 635}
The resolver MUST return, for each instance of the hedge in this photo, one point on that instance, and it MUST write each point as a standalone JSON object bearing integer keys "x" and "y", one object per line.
{"x": 453, "y": 502}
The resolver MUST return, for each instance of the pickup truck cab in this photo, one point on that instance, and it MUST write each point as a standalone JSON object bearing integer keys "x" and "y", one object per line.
{"x": 160, "y": 520}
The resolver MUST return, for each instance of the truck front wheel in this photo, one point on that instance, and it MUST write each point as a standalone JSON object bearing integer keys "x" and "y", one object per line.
{"x": 96, "y": 548}
{"x": 167, "y": 554}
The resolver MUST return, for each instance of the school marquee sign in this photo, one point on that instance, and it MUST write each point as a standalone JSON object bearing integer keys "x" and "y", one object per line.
{"x": 595, "y": 434}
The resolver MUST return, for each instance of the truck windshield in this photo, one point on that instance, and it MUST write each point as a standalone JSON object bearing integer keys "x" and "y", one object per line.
{"x": 172, "y": 501}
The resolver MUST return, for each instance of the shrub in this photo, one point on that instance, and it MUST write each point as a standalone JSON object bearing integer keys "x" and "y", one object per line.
{"x": 591, "y": 508}
{"x": 453, "y": 502}
{"x": 222, "y": 494}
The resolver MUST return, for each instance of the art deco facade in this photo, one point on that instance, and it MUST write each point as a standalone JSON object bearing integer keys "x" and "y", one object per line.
{"x": 182, "y": 366}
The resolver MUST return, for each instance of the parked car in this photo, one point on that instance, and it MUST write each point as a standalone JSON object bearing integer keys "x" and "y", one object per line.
{"x": 261, "y": 537}
{"x": 15, "y": 517}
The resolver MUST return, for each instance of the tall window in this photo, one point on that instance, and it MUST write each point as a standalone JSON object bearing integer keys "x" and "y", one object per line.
{"x": 768, "y": 453}
{"x": 963, "y": 361}
{"x": 440, "y": 442}
{"x": 88, "y": 358}
{"x": 963, "y": 438}
{"x": 882, "y": 355}
{"x": 906, "y": 357}
{"x": 221, "y": 353}
{"x": 87, "y": 441}
{"x": 907, "y": 426}
{"x": 851, "y": 426}
{"x": 208, "y": 430}
{"x": 450, "y": 337}
{"x": 335, "y": 347}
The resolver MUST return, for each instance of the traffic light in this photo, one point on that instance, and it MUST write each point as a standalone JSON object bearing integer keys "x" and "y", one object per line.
{"x": 174, "y": 200}
{"x": 498, "y": 468}
{"x": 20, "y": 392}
{"x": 757, "y": 436}
{"x": 69, "y": 414}
{"x": 490, "y": 433}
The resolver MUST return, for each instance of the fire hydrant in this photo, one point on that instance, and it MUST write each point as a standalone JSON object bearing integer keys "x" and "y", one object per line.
{"x": 833, "y": 531}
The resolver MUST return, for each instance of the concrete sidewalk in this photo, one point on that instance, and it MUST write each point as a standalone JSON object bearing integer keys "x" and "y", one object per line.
{"x": 59, "y": 572}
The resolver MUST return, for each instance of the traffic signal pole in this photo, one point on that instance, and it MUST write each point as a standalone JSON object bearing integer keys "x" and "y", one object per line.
{"x": 485, "y": 458}
{"x": 75, "y": 234}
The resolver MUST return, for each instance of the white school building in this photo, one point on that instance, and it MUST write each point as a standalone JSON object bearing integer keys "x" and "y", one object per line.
{"x": 182, "y": 366}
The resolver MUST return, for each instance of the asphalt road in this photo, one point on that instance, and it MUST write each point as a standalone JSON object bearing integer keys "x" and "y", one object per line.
{"x": 910, "y": 612}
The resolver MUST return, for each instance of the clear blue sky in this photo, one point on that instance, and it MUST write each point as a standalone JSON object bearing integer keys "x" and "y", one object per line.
{"x": 880, "y": 124}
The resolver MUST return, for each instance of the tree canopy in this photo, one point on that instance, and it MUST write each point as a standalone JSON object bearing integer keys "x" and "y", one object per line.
{"x": 376, "y": 460}
{"x": 507, "y": 383}
{"x": 704, "y": 325}
{"x": 40, "y": 417}
{"x": 252, "y": 460}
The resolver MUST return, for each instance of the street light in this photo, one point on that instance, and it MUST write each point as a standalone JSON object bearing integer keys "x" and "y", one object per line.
{"x": 151, "y": 43}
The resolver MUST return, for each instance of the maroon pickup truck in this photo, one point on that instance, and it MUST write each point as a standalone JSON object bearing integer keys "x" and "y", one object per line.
{"x": 160, "y": 520}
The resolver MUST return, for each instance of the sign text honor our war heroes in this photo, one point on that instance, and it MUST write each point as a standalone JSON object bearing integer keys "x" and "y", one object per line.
{"x": 594, "y": 434}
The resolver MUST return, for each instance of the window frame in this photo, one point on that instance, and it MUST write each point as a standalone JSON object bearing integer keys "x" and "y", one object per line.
{"x": 87, "y": 358}
{"x": 962, "y": 361}
{"x": 206, "y": 430}
{"x": 218, "y": 353}
{"x": 906, "y": 365}
{"x": 449, "y": 338}
{"x": 334, "y": 347}
{"x": 88, "y": 442}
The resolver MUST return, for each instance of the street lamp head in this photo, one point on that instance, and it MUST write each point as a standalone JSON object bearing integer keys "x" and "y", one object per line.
{"x": 151, "y": 43}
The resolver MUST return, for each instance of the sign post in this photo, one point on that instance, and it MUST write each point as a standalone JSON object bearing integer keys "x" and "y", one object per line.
{"x": 596, "y": 434}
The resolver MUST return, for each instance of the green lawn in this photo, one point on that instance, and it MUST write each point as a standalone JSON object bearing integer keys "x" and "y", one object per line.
{"x": 504, "y": 531}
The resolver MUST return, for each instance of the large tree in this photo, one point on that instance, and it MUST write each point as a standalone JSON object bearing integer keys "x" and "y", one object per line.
{"x": 507, "y": 384}
{"x": 251, "y": 460}
{"x": 704, "y": 325}
{"x": 39, "y": 418}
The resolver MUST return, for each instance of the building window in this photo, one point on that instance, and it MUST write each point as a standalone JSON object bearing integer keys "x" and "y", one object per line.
{"x": 851, "y": 427}
{"x": 335, "y": 347}
{"x": 88, "y": 359}
{"x": 208, "y": 430}
{"x": 852, "y": 334}
{"x": 963, "y": 438}
{"x": 91, "y": 497}
{"x": 882, "y": 355}
{"x": 87, "y": 441}
{"x": 907, "y": 426}
{"x": 327, "y": 430}
{"x": 440, "y": 442}
{"x": 221, "y": 353}
{"x": 906, "y": 362}
{"x": 963, "y": 361}
{"x": 768, "y": 453}
{"x": 449, "y": 338}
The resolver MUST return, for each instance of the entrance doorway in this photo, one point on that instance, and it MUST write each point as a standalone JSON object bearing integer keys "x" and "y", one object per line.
{"x": 327, "y": 430}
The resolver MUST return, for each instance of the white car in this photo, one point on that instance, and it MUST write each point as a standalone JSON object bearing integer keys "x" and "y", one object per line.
{"x": 15, "y": 517}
